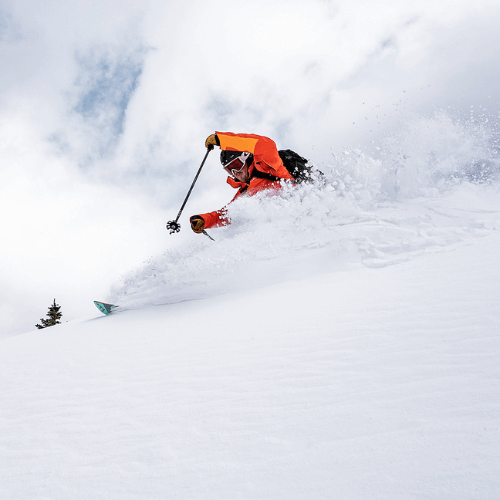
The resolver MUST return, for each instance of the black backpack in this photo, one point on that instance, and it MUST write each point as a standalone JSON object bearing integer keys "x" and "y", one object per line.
{"x": 296, "y": 165}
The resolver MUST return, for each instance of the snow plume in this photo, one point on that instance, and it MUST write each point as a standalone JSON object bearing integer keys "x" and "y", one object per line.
{"x": 425, "y": 156}
{"x": 374, "y": 211}
{"x": 439, "y": 152}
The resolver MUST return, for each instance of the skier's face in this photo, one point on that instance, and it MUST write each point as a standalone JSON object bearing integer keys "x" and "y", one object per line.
{"x": 238, "y": 170}
{"x": 242, "y": 175}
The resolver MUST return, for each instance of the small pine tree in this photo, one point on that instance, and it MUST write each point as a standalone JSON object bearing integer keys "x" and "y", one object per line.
{"x": 53, "y": 314}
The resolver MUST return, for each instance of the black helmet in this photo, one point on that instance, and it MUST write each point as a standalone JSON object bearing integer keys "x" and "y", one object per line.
{"x": 226, "y": 157}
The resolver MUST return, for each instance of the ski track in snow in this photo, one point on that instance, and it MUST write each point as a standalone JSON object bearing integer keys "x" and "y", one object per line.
{"x": 339, "y": 341}
{"x": 325, "y": 236}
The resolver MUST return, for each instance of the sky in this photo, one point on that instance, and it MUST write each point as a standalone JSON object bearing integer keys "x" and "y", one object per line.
{"x": 105, "y": 107}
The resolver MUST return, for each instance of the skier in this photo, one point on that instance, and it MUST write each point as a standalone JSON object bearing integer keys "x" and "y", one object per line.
{"x": 253, "y": 164}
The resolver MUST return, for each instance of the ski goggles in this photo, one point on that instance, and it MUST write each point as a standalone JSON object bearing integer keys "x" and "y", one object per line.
{"x": 237, "y": 164}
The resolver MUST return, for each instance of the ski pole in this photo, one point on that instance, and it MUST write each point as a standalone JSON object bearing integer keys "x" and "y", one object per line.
{"x": 173, "y": 225}
{"x": 206, "y": 234}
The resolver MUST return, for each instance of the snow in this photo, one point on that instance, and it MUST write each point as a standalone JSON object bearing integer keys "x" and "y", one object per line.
{"x": 339, "y": 340}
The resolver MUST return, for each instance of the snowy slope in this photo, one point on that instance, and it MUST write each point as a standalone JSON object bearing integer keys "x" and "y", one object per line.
{"x": 338, "y": 341}
{"x": 382, "y": 383}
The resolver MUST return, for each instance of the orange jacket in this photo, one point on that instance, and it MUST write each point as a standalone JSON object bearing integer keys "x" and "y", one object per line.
{"x": 266, "y": 159}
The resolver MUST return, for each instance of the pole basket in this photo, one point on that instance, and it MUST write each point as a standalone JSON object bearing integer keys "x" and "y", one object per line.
{"x": 173, "y": 226}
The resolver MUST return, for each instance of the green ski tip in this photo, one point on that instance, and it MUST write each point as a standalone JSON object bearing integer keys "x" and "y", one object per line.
{"x": 104, "y": 308}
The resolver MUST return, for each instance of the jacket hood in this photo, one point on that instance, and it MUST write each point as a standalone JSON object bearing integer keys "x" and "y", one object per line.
{"x": 235, "y": 184}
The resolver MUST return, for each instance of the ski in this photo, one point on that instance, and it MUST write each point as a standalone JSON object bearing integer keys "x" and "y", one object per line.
{"x": 104, "y": 308}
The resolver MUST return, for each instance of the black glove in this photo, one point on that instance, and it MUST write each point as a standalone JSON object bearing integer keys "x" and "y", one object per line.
{"x": 212, "y": 140}
{"x": 197, "y": 224}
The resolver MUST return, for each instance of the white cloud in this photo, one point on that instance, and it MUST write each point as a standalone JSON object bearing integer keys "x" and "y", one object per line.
{"x": 105, "y": 106}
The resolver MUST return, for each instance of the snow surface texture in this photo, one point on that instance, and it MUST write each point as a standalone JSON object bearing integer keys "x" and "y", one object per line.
{"x": 339, "y": 340}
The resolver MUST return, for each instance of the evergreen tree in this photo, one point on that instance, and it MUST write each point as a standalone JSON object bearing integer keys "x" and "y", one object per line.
{"x": 53, "y": 314}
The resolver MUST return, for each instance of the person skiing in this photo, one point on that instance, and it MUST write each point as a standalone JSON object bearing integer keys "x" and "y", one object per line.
{"x": 253, "y": 164}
